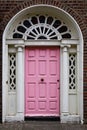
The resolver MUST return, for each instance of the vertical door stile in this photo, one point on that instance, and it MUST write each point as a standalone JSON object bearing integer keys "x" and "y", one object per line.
{"x": 37, "y": 80}
{"x": 48, "y": 87}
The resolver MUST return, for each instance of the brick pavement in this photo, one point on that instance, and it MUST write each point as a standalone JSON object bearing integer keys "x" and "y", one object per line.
{"x": 41, "y": 125}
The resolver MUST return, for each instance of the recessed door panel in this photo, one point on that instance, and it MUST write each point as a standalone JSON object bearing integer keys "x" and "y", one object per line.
{"x": 31, "y": 67}
{"x": 42, "y": 81}
{"x": 42, "y": 90}
{"x": 42, "y": 67}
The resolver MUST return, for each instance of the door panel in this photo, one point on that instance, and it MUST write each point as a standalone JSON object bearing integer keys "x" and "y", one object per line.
{"x": 41, "y": 81}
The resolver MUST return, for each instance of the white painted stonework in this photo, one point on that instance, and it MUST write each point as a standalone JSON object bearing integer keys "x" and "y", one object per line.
{"x": 20, "y": 82}
{"x": 65, "y": 105}
{"x": 67, "y": 46}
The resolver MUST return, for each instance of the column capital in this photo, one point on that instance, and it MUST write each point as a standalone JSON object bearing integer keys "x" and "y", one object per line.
{"x": 19, "y": 46}
{"x": 63, "y": 46}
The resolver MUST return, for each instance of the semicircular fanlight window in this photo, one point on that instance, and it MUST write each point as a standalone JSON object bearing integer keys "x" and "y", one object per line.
{"x": 41, "y": 27}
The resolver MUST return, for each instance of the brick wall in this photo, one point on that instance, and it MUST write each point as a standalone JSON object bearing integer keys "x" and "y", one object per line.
{"x": 76, "y": 8}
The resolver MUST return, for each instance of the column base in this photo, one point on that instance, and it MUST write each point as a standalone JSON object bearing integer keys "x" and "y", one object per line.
{"x": 18, "y": 117}
{"x": 70, "y": 119}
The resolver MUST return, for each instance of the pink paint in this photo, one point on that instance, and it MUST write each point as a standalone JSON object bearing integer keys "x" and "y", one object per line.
{"x": 42, "y": 81}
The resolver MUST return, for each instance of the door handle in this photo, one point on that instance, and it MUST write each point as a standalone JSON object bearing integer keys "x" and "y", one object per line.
{"x": 57, "y": 80}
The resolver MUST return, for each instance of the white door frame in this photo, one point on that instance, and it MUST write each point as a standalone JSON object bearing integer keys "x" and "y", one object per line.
{"x": 20, "y": 45}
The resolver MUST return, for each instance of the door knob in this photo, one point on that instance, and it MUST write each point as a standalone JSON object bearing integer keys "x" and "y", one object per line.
{"x": 42, "y": 79}
{"x": 57, "y": 80}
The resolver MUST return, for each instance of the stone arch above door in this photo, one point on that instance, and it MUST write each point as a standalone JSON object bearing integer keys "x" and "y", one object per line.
{"x": 25, "y": 4}
{"x": 60, "y": 27}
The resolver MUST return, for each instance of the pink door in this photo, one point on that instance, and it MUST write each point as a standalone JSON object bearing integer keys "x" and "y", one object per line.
{"x": 42, "y": 81}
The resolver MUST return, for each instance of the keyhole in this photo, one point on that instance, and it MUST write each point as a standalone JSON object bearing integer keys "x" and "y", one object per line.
{"x": 42, "y": 79}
